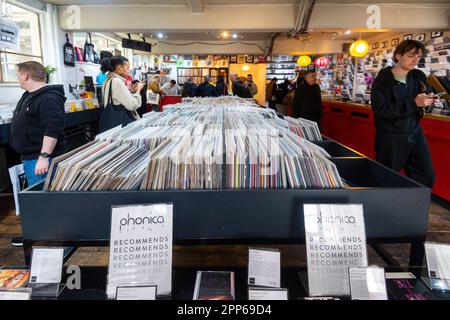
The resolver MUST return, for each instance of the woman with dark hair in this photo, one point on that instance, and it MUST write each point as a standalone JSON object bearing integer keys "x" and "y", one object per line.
{"x": 120, "y": 104}
{"x": 307, "y": 98}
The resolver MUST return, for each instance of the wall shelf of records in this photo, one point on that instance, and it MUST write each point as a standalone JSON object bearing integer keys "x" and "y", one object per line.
{"x": 198, "y": 74}
{"x": 281, "y": 67}
{"x": 437, "y": 60}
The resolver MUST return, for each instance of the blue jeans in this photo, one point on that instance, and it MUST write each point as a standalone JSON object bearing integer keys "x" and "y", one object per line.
{"x": 32, "y": 178}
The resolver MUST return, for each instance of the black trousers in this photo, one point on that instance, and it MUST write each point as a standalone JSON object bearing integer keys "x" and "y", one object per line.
{"x": 408, "y": 153}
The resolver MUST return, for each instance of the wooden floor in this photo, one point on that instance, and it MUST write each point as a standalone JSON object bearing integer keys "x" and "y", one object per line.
{"x": 206, "y": 256}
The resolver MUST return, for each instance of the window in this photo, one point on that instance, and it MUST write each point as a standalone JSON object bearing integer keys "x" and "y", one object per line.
{"x": 30, "y": 42}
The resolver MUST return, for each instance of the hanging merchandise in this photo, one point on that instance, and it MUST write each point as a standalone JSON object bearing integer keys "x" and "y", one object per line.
{"x": 359, "y": 48}
{"x": 79, "y": 54}
{"x": 322, "y": 62}
{"x": 69, "y": 54}
{"x": 9, "y": 34}
{"x": 304, "y": 61}
{"x": 89, "y": 53}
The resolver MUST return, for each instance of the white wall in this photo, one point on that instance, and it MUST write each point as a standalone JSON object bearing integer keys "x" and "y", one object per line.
{"x": 295, "y": 47}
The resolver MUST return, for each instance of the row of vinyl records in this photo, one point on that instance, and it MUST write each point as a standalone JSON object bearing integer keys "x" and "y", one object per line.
{"x": 202, "y": 143}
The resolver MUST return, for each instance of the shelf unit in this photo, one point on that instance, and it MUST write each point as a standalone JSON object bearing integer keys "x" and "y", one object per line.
{"x": 281, "y": 70}
{"x": 198, "y": 74}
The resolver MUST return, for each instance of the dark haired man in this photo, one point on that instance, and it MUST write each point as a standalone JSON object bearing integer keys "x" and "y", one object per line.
{"x": 251, "y": 85}
{"x": 399, "y": 95}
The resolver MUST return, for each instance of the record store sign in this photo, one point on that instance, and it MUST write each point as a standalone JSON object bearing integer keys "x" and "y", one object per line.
{"x": 9, "y": 34}
{"x": 335, "y": 241}
{"x": 141, "y": 247}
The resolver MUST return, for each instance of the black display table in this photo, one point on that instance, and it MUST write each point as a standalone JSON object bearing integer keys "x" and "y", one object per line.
{"x": 395, "y": 211}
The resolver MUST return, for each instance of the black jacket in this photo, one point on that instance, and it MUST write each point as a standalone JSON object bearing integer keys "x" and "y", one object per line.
{"x": 308, "y": 102}
{"x": 205, "y": 90}
{"x": 393, "y": 102}
{"x": 189, "y": 89}
{"x": 38, "y": 114}
{"x": 221, "y": 88}
{"x": 240, "y": 90}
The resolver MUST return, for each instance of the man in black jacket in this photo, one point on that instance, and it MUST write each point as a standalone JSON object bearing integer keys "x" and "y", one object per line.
{"x": 399, "y": 95}
{"x": 189, "y": 88}
{"x": 205, "y": 89}
{"x": 238, "y": 87}
{"x": 37, "y": 128}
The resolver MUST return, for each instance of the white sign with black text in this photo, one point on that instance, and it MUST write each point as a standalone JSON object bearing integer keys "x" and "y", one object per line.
{"x": 335, "y": 241}
{"x": 136, "y": 293}
{"x": 264, "y": 267}
{"x": 141, "y": 247}
{"x": 267, "y": 294}
{"x": 368, "y": 283}
{"x": 17, "y": 294}
{"x": 9, "y": 34}
{"x": 46, "y": 265}
{"x": 438, "y": 262}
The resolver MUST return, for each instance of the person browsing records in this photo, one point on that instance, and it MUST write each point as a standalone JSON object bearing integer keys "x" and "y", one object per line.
{"x": 120, "y": 102}
{"x": 37, "y": 127}
{"x": 156, "y": 92}
{"x": 170, "y": 88}
{"x": 399, "y": 95}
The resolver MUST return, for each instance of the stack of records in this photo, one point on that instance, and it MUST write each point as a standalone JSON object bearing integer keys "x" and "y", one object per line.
{"x": 305, "y": 128}
{"x": 203, "y": 143}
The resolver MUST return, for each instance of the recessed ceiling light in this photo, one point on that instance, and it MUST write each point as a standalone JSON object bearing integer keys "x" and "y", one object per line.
{"x": 160, "y": 35}
{"x": 235, "y": 36}
{"x": 225, "y": 34}
{"x": 348, "y": 31}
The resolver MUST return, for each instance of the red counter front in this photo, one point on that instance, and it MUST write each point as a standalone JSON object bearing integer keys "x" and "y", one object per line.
{"x": 353, "y": 125}
{"x": 169, "y": 100}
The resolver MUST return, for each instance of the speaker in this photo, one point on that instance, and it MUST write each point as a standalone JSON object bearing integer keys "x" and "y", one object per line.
{"x": 136, "y": 45}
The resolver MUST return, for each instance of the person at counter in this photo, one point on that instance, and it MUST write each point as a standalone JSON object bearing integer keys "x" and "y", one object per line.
{"x": 307, "y": 98}
{"x": 170, "y": 88}
{"x": 398, "y": 97}
{"x": 156, "y": 93}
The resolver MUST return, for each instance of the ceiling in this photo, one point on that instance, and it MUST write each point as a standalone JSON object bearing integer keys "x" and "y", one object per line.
{"x": 222, "y": 2}
{"x": 209, "y": 35}
{"x": 203, "y": 34}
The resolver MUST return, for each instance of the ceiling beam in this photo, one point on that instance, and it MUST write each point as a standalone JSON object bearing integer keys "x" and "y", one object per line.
{"x": 196, "y": 6}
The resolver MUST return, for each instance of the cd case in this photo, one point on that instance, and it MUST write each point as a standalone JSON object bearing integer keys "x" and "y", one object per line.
{"x": 14, "y": 278}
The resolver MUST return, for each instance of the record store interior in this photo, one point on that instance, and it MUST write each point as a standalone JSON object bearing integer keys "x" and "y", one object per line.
{"x": 224, "y": 150}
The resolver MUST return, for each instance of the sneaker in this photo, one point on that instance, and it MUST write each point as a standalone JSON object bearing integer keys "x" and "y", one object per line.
{"x": 17, "y": 242}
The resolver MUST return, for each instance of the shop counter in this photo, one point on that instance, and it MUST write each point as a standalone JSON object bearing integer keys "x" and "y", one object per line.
{"x": 352, "y": 124}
